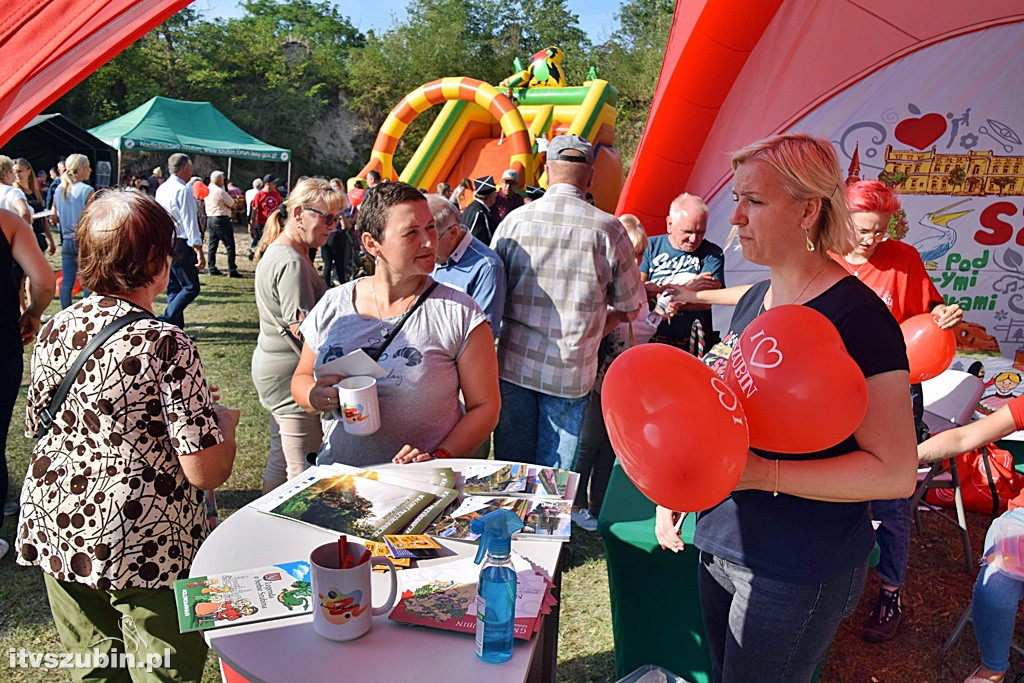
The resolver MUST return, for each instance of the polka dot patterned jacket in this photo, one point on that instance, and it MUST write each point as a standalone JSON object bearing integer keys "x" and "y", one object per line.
{"x": 105, "y": 502}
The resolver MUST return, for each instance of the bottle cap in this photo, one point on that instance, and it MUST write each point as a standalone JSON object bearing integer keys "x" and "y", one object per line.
{"x": 495, "y": 529}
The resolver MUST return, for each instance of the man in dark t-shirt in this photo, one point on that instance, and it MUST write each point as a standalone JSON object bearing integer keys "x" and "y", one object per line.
{"x": 683, "y": 257}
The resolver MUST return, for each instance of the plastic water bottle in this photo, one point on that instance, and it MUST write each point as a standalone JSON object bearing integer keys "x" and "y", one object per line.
{"x": 496, "y": 592}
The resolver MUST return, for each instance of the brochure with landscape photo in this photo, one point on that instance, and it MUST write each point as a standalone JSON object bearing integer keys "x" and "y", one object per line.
{"x": 455, "y": 525}
{"x": 495, "y": 479}
{"x": 548, "y": 520}
{"x": 243, "y": 597}
{"x": 348, "y": 504}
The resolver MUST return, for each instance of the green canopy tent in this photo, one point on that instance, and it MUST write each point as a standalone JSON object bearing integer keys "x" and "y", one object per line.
{"x": 165, "y": 125}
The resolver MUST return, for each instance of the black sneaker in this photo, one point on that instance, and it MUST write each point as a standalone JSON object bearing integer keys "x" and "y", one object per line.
{"x": 885, "y": 618}
{"x": 235, "y": 274}
{"x": 214, "y": 271}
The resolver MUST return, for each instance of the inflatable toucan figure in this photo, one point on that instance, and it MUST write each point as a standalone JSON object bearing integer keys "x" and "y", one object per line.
{"x": 546, "y": 69}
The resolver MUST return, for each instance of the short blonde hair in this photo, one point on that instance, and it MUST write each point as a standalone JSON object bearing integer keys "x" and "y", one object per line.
{"x": 809, "y": 169}
{"x": 635, "y": 231}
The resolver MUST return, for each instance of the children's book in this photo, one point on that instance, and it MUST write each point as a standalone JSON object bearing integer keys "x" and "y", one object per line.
{"x": 548, "y": 520}
{"x": 444, "y": 596}
{"x": 243, "y": 597}
{"x": 455, "y": 525}
{"x": 495, "y": 479}
{"x": 348, "y": 504}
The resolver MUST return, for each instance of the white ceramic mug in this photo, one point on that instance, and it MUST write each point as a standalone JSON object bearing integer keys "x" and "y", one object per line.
{"x": 342, "y": 603}
{"x": 358, "y": 408}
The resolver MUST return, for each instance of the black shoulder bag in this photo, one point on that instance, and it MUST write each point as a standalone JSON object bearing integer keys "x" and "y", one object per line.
{"x": 47, "y": 414}
{"x": 375, "y": 353}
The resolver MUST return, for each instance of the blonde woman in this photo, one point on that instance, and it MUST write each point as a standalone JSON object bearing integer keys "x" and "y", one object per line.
{"x": 12, "y": 198}
{"x": 68, "y": 203}
{"x": 784, "y": 558}
{"x": 287, "y": 288}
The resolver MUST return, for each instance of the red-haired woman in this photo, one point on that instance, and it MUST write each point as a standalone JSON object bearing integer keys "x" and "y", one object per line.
{"x": 895, "y": 272}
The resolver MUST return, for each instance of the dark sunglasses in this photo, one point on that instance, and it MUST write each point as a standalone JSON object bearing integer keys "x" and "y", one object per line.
{"x": 329, "y": 218}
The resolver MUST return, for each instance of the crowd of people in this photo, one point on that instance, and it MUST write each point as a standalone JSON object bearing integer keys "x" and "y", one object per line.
{"x": 494, "y": 319}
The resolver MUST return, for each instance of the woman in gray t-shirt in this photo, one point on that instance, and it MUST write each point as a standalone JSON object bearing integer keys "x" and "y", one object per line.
{"x": 445, "y": 345}
{"x": 287, "y": 288}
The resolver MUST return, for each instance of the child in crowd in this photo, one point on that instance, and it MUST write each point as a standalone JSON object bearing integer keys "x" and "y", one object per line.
{"x": 595, "y": 457}
{"x": 1000, "y": 584}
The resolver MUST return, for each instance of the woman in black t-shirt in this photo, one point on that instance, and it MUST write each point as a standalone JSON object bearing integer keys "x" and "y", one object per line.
{"x": 784, "y": 557}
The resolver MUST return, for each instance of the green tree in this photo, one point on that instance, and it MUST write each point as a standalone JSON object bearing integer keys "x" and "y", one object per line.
{"x": 957, "y": 177}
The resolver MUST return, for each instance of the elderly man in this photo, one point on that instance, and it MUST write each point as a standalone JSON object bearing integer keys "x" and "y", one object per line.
{"x": 176, "y": 196}
{"x": 572, "y": 276}
{"x": 219, "y": 206}
{"x": 466, "y": 263}
{"x": 477, "y": 217}
{"x": 682, "y": 257}
{"x": 506, "y": 199}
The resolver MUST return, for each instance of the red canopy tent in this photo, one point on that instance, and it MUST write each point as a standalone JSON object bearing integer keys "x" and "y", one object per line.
{"x": 57, "y": 43}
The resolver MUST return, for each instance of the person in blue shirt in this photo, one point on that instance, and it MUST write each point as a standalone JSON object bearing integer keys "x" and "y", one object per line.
{"x": 683, "y": 257}
{"x": 466, "y": 263}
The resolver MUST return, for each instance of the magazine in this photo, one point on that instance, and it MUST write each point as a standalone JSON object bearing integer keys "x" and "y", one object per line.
{"x": 243, "y": 597}
{"x": 444, "y": 596}
{"x": 533, "y": 481}
{"x": 348, "y": 504}
{"x": 455, "y": 525}
{"x": 548, "y": 520}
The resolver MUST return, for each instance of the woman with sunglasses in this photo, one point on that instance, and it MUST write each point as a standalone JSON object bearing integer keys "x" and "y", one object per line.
{"x": 287, "y": 288}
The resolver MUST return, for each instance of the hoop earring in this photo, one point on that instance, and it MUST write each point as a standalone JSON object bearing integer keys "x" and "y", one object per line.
{"x": 810, "y": 244}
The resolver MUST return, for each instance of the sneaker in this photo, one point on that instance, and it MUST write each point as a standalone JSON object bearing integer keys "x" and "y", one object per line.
{"x": 250, "y": 254}
{"x": 584, "y": 520}
{"x": 885, "y": 618}
{"x": 4, "y": 547}
{"x": 11, "y": 508}
{"x": 235, "y": 275}
{"x": 214, "y": 271}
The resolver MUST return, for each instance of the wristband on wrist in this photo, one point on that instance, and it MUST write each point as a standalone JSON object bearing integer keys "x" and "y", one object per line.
{"x": 442, "y": 454}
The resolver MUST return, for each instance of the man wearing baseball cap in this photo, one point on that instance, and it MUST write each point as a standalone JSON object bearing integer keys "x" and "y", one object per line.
{"x": 477, "y": 216}
{"x": 264, "y": 203}
{"x": 507, "y": 198}
{"x": 571, "y": 274}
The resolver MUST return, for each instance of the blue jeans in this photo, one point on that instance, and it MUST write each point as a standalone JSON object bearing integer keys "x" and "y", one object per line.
{"x": 183, "y": 284}
{"x": 996, "y": 598}
{"x": 69, "y": 271}
{"x": 767, "y": 630}
{"x": 893, "y": 537}
{"x": 537, "y": 428}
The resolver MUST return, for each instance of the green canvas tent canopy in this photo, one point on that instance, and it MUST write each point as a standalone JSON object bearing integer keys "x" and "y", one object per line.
{"x": 166, "y": 125}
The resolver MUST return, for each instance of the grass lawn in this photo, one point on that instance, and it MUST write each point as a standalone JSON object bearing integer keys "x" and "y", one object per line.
{"x": 223, "y": 321}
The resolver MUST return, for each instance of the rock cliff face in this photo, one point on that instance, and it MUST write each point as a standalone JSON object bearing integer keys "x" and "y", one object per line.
{"x": 973, "y": 337}
{"x": 335, "y": 136}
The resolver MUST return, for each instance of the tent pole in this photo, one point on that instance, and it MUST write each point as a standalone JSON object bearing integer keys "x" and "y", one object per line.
{"x": 289, "y": 175}
{"x": 229, "y": 168}
{"x": 117, "y": 182}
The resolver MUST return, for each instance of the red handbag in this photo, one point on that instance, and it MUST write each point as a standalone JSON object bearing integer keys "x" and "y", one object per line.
{"x": 986, "y": 483}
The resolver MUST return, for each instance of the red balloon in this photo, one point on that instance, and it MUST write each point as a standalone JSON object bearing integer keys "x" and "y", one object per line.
{"x": 799, "y": 388}
{"x": 76, "y": 289}
{"x": 200, "y": 189}
{"x": 355, "y": 196}
{"x": 930, "y": 349}
{"x": 677, "y": 429}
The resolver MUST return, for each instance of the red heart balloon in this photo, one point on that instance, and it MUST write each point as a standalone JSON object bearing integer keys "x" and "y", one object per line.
{"x": 922, "y": 132}
{"x": 675, "y": 426}
{"x": 930, "y": 349}
{"x": 800, "y": 390}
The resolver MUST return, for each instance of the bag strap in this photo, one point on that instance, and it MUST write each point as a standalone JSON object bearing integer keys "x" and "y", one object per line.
{"x": 991, "y": 481}
{"x": 376, "y": 353}
{"x": 46, "y": 415}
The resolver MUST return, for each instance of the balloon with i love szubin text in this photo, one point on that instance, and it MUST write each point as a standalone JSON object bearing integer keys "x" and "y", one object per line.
{"x": 800, "y": 389}
{"x": 678, "y": 430}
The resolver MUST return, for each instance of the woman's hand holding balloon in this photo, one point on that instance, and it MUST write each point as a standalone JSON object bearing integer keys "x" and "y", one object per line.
{"x": 666, "y": 529}
{"x": 948, "y": 317}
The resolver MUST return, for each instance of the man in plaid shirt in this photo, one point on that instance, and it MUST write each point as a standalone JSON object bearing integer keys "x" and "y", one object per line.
{"x": 572, "y": 276}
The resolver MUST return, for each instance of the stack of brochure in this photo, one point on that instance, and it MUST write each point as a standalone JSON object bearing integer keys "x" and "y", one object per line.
{"x": 444, "y": 596}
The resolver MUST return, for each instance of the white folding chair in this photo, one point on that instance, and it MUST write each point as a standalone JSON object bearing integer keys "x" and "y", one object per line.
{"x": 949, "y": 401}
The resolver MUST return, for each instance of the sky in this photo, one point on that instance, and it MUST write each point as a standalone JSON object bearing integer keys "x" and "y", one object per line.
{"x": 596, "y": 16}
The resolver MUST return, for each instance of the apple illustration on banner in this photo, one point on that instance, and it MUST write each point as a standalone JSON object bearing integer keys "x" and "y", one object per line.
{"x": 922, "y": 131}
